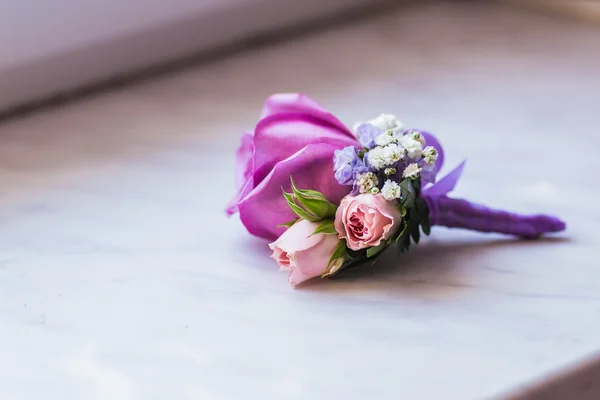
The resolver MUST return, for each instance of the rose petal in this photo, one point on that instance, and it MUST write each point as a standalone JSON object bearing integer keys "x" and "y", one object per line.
{"x": 390, "y": 211}
{"x": 300, "y": 103}
{"x": 341, "y": 215}
{"x": 380, "y": 219}
{"x": 244, "y": 170}
{"x": 310, "y": 263}
{"x": 232, "y": 206}
{"x": 286, "y": 103}
{"x": 280, "y": 135}
{"x": 281, "y": 257}
{"x": 298, "y": 237}
{"x": 244, "y": 160}
{"x": 265, "y": 207}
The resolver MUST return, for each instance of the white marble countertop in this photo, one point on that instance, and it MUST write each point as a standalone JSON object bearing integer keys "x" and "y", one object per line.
{"x": 121, "y": 278}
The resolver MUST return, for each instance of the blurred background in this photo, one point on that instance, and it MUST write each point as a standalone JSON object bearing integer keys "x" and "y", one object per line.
{"x": 49, "y": 48}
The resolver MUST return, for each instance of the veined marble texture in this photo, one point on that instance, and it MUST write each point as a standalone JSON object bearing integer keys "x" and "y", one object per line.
{"x": 121, "y": 278}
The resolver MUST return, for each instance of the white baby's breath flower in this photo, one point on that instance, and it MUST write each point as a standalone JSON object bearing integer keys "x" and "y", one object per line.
{"x": 366, "y": 182}
{"x": 380, "y": 157}
{"x": 390, "y": 171}
{"x": 429, "y": 151}
{"x": 413, "y": 147}
{"x": 387, "y": 122}
{"x": 412, "y": 171}
{"x": 391, "y": 190}
{"x": 375, "y": 156}
{"x": 393, "y": 153}
{"x": 385, "y": 138}
{"x": 430, "y": 154}
{"x": 418, "y": 137}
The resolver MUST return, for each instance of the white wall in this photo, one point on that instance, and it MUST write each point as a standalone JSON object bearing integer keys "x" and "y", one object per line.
{"x": 51, "y": 46}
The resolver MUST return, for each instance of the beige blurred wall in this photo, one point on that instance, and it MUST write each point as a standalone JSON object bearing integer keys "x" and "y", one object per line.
{"x": 51, "y": 47}
{"x": 588, "y": 10}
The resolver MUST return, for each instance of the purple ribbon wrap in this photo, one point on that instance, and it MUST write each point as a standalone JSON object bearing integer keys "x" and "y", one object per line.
{"x": 459, "y": 213}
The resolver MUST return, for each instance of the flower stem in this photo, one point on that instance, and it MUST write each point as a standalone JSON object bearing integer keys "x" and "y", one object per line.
{"x": 458, "y": 213}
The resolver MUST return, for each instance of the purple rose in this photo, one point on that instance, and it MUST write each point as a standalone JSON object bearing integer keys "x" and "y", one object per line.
{"x": 295, "y": 137}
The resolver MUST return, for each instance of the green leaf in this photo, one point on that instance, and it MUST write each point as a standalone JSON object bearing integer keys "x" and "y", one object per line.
{"x": 426, "y": 226}
{"x": 417, "y": 185}
{"x": 308, "y": 194}
{"x": 314, "y": 202}
{"x": 402, "y": 240}
{"x": 402, "y": 211}
{"x": 403, "y": 243}
{"x": 402, "y": 232}
{"x": 288, "y": 224}
{"x": 373, "y": 251}
{"x": 408, "y": 193}
{"x": 340, "y": 252}
{"x": 355, "y": 254}
{"x": 425, "y": 222}
{"x": 415, "y": 233}
{"x": 420, "y": 204}
{"x": 326, "y": 227}
{"x": 303, "y": 214}
{"x": 288, "y": 197}
{"x": 319, "y": 208}
{"x": 299, "y": 211}
{"x": 424, "y": 215}
{"x": 305, "y": 193}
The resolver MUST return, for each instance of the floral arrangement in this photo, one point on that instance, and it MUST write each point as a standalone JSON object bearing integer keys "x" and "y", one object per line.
{"x": 330, "y": 198}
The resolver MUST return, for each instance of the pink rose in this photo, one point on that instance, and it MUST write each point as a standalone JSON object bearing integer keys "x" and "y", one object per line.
{"x": 305, "y": 256}
{"x": 297, "y": 137}
{"x": 365, "y": 220}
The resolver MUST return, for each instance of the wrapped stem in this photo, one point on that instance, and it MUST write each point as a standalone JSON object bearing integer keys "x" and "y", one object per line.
{"x": 458, "y": 213}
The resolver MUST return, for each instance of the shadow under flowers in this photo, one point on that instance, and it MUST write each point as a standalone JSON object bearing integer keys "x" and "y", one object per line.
{"x": 435, "y": 268}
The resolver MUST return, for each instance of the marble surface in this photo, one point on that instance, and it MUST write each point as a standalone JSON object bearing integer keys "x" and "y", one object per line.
{"x": 121, "y": 278}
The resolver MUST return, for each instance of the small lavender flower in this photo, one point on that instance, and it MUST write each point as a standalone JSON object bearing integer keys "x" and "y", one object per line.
{"x": 343, "y": 163}
{"x": 360, "y": 167}
{"x": 344, "y": 175}
{"x": 367, "y": 133}
{"x": 347, "y": 155}
{"x": 347, "y": 165}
